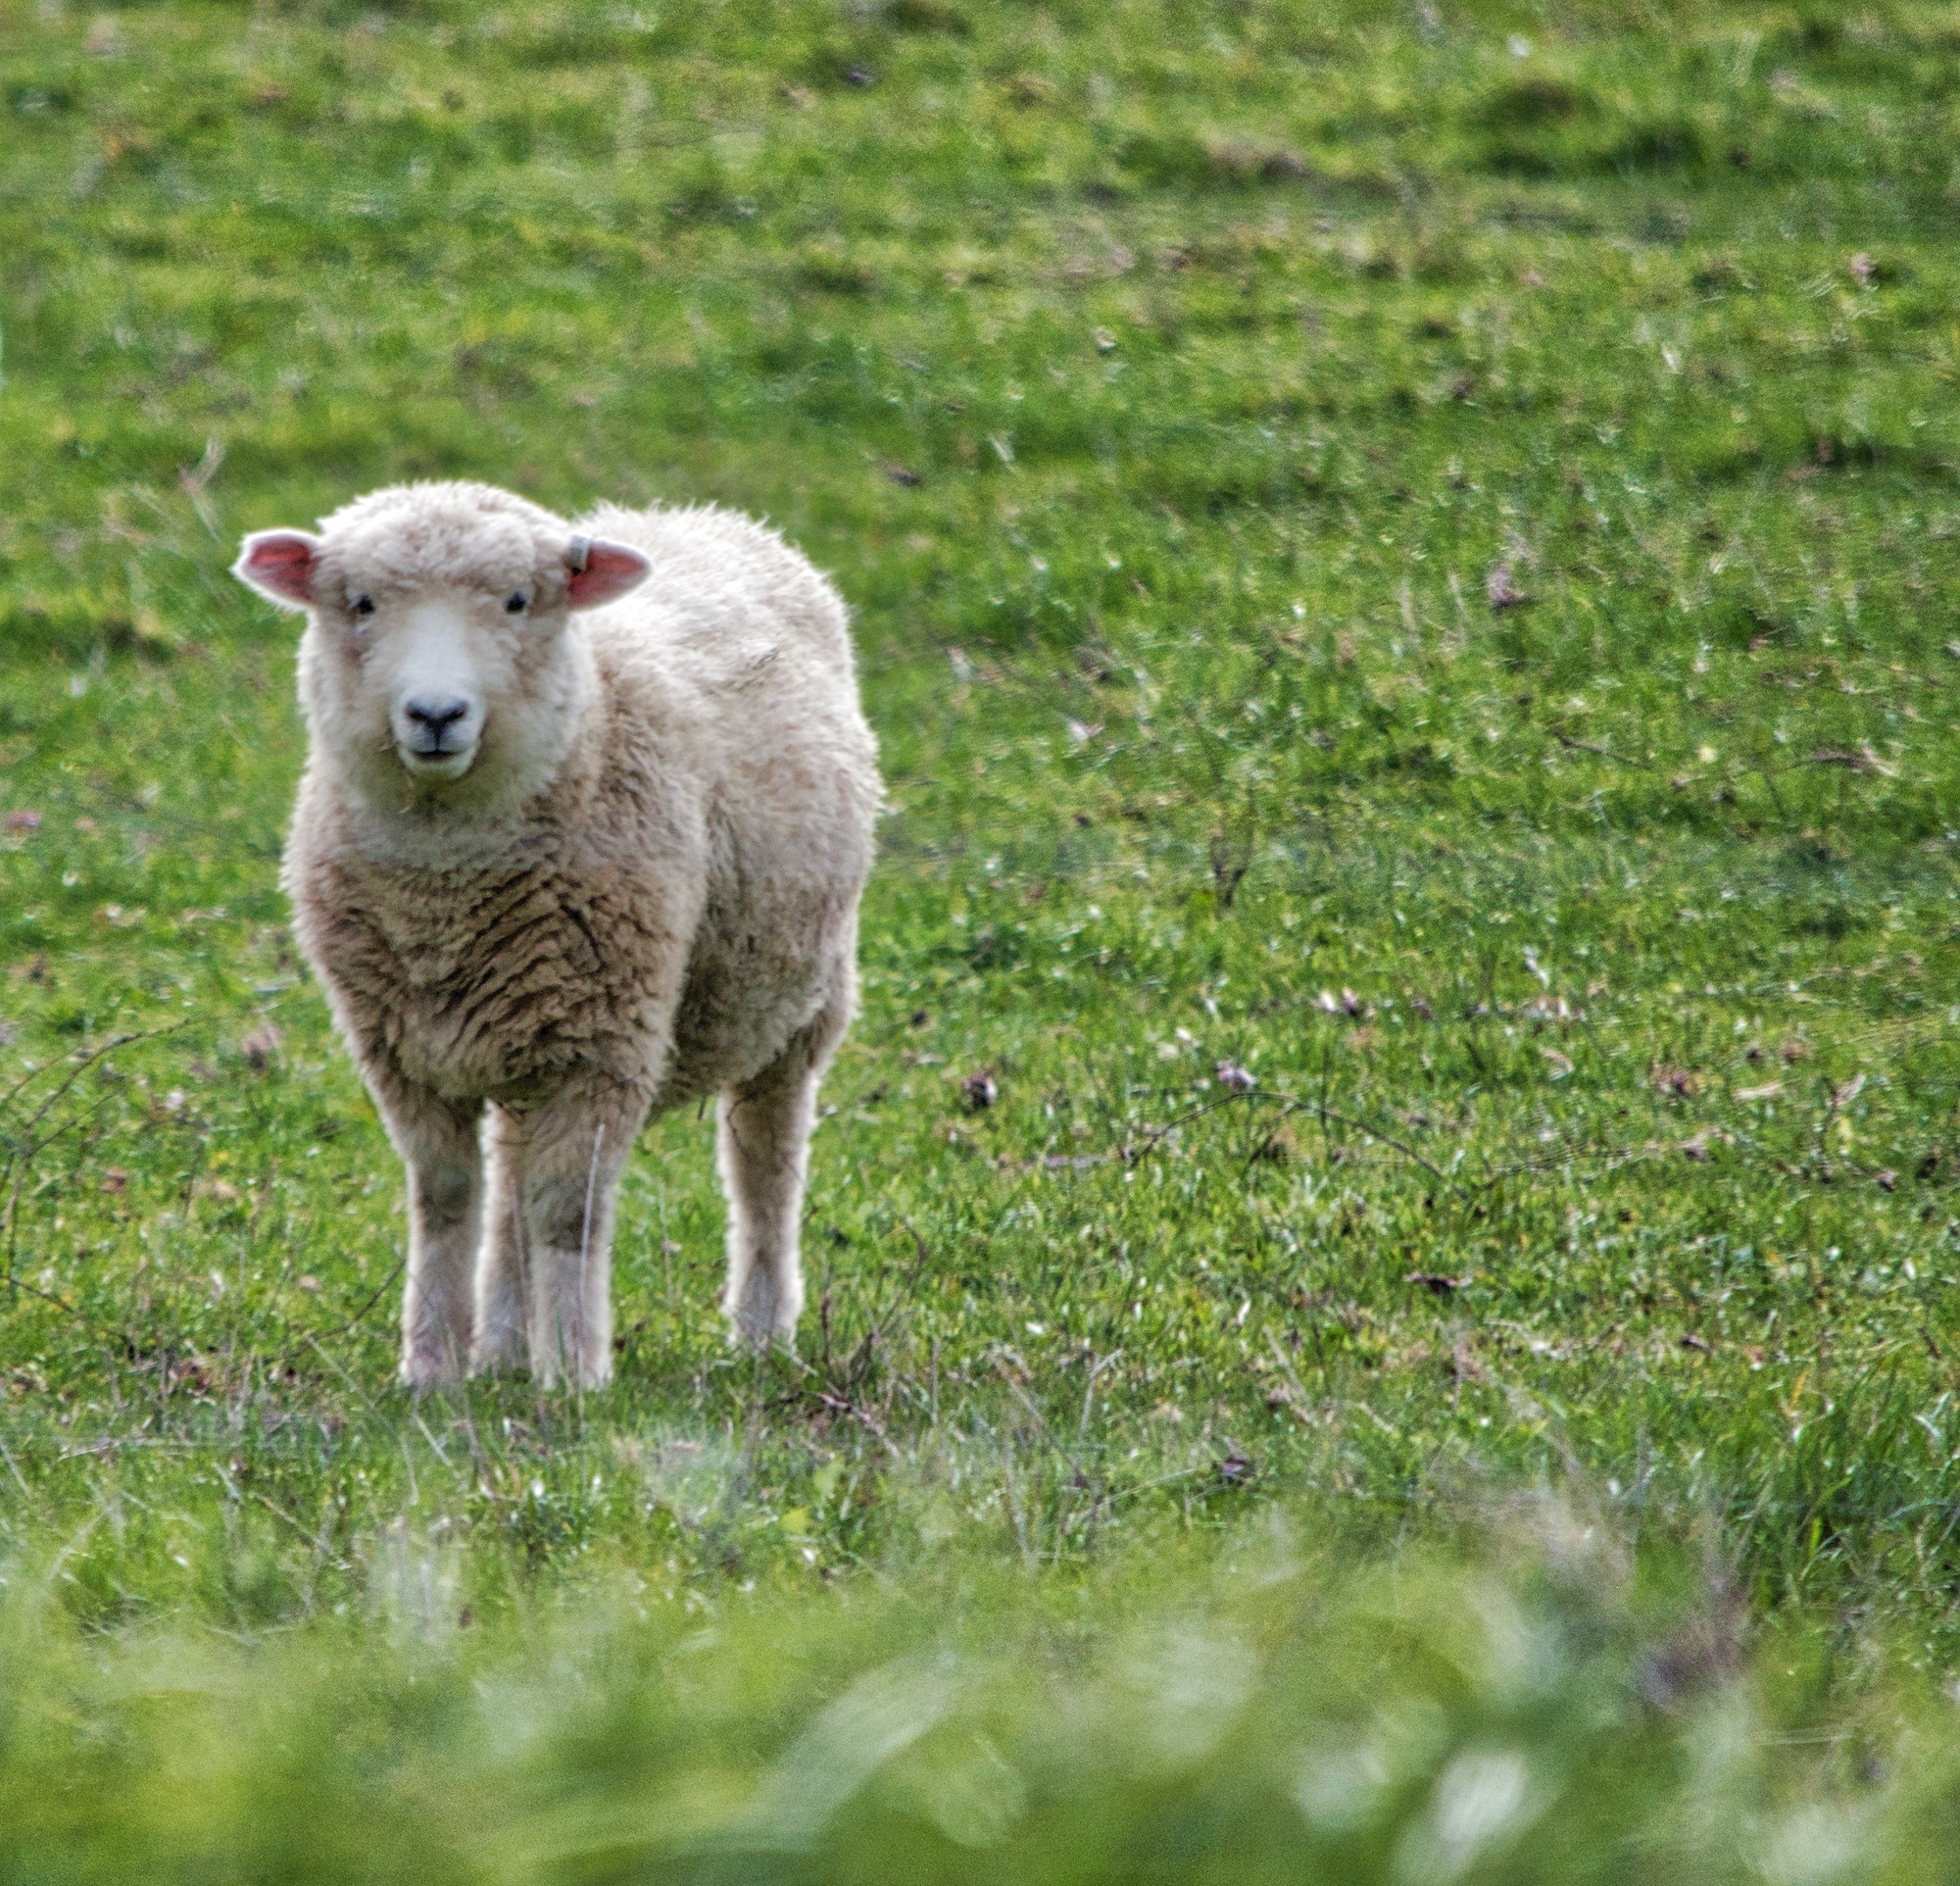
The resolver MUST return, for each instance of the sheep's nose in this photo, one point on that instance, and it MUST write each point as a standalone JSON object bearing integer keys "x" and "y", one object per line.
{"x": 437, "y": 713}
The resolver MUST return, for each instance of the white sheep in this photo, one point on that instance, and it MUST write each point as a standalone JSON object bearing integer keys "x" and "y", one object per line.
{"x": 562, "y": 861}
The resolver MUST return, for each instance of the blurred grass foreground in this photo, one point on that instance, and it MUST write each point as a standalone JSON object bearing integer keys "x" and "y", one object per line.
{"x": 1270, "y": 1708}
{"x": 1383, "y": 1251}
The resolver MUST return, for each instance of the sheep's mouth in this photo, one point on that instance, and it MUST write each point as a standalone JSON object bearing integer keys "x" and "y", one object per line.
{"x": 441, "y": 762}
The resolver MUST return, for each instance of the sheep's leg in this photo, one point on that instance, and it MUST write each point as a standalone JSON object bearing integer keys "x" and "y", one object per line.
{"x": 501, "y": 1286}
{"x": 571, "y": 1152}
{"x": 437, "y": 1141}
{"x": 763, "y": 1151}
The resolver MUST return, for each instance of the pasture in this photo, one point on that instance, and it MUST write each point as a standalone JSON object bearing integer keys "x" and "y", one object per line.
{"x": 1382, "y": 1254}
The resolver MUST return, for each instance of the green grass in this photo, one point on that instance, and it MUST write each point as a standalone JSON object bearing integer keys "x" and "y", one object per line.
{"x": 1407, "y": 551}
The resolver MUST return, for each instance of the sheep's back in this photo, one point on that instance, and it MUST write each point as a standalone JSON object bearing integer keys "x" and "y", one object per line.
{"x": 721, "y": 578}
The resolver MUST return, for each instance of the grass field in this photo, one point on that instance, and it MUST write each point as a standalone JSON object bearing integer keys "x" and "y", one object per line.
{"x": 1403, "y": 563}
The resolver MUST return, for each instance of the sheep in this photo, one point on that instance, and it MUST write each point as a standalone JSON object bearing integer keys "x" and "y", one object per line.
{"x": 586, "y": 813}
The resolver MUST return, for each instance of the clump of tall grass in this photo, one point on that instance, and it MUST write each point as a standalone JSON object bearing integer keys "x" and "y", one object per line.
{"x": 1540, "y": 1701}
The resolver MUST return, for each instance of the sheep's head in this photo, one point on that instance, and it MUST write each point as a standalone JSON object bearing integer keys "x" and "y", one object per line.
{"x": 435, "y": 655}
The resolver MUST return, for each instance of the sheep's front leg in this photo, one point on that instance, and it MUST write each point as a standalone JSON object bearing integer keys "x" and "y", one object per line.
{"x": 437, "y": 1141}
{"x": 502, "y": 1292}
{"x": 763, "y": 1150}
{"x": 571, "y": 1152}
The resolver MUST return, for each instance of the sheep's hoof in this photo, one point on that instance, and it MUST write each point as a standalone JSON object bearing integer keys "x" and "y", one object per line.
{"x": 420, "y": 1371}
{"x": 587, "y": 1376}
{"x": 497, "y": 1357}
{"x": 748, "y": 1332}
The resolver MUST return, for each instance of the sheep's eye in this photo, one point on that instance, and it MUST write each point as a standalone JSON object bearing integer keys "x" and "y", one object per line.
{"x": 361, "y": 606}
{"x": 517, "y": 604}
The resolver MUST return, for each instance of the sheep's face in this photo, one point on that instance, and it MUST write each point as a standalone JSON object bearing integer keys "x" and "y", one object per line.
{"x": 436, "y": 658}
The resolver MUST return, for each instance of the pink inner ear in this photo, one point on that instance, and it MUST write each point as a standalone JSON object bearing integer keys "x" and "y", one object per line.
{"x": 611, "y": 570}
{"x": 279, "y": 562}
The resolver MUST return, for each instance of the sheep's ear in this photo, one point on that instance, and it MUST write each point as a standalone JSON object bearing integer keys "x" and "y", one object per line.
{"x": 602, "y": 569}
{"x": 279, "y": 564}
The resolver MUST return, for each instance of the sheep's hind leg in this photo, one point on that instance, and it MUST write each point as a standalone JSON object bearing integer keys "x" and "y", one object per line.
{"x": 763, "y": 1150}
{"x": 573, "y": 1151}
{"x": 501, "y": 1291}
